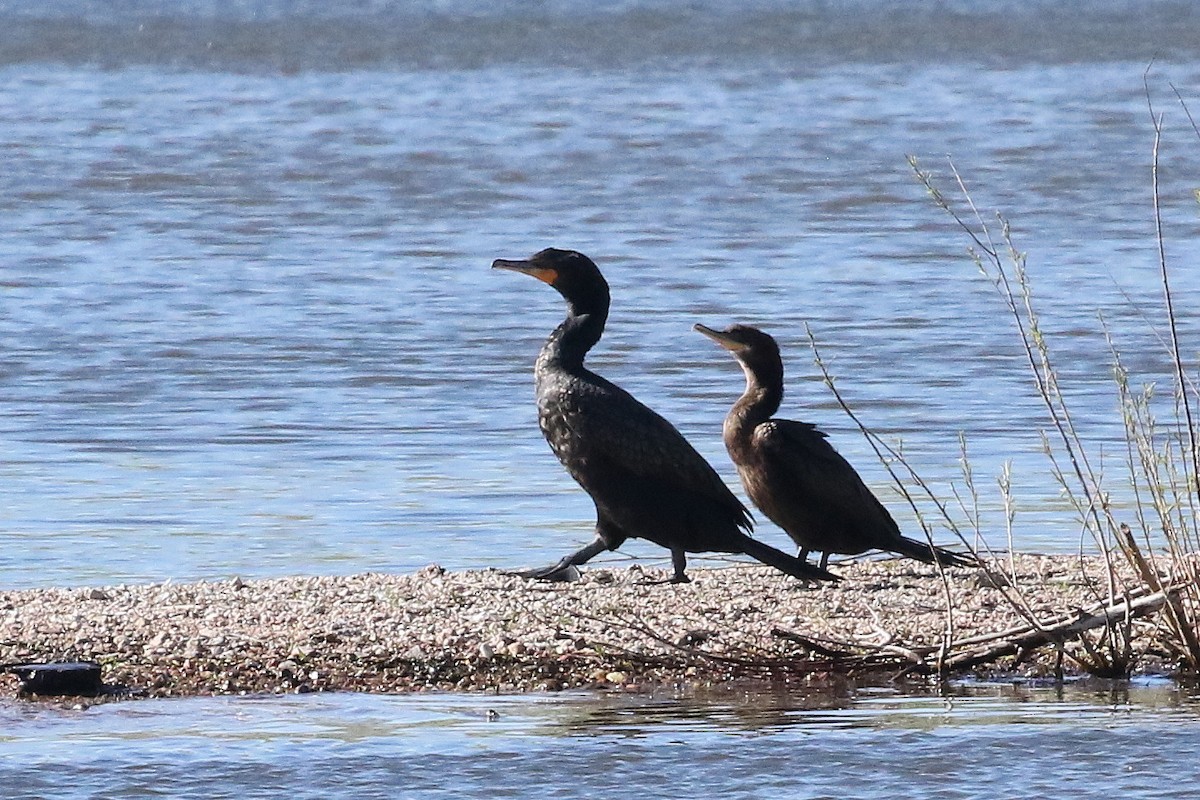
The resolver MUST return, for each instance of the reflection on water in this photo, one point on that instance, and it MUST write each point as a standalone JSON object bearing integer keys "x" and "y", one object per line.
{"x": 1138, "y": 740}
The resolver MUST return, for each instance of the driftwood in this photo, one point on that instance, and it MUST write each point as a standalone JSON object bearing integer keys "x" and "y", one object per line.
{"x": 1062, "y": 631}
{"x": 967, "y": 654}
{"x": 1181, "y": 622}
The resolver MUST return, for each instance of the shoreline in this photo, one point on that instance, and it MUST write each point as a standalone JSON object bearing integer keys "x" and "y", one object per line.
{"x": 488, "y": 631}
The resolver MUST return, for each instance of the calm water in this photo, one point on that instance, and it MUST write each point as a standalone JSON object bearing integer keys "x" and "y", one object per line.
{"x": 247, "y": 326}
{"x": 981, "y": 742}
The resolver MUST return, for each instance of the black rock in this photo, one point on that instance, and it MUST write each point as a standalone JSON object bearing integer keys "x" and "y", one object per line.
{"x": 80, "y": 678}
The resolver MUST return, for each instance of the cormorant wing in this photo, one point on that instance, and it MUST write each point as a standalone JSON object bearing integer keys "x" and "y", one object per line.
{"x": 635, "y": 438}
{"x": 818, "y": 471}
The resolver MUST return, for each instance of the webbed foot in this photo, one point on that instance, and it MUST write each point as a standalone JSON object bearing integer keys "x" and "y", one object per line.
{"x": 566, "y": 570}
{"x": 673, "y": 579}
{"x": 562, "y": 572}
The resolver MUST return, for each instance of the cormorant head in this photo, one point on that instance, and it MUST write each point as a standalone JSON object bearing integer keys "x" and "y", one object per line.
{"x": 573, "y": 274}
{"x": 757, "y": 351}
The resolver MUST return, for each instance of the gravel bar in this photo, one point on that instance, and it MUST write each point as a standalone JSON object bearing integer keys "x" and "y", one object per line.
{"x": 490, "y": 631}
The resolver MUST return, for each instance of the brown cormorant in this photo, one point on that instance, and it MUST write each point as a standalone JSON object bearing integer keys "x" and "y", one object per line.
{"x": 646, "y": 480}
{"x": 794, "y": 475}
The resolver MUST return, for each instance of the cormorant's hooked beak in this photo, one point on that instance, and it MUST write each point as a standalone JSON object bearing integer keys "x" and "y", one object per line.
{"x": 720, "y": 337}
{"x": 542, "y": 273}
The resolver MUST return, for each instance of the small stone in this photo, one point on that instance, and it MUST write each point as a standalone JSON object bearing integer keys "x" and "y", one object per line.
{"x": 486, "y": 651}
{"x": 329, "y": 637}
{"x": 616, "y": 677}
{"x": 991, "y": 580}
{"x": 695, "y": 637}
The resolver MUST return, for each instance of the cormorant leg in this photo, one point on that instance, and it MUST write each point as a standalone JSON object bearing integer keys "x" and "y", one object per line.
{"x": 679, "y": 562}
{"x": 565, "y": 570}
{"x": 824, "y": 559}
{"x": 803, "y": 554}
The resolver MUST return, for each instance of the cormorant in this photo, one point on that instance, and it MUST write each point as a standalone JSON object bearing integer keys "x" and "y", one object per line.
{"x": 794, "y": 475}
{"x": 646, "y": 480}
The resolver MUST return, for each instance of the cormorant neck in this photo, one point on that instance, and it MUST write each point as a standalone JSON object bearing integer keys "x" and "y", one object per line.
{"x": 576, "y": 335}
{"x": 760, "y": 400}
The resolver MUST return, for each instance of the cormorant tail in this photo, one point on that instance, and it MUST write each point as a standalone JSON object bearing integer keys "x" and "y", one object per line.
{"x": 783, "y": 562}
{"x": 922, "y": 552}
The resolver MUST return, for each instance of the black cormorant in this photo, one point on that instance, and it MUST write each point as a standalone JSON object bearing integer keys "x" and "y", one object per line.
{"x": 794, "y": 475}
{"x": 646, "y": 480}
